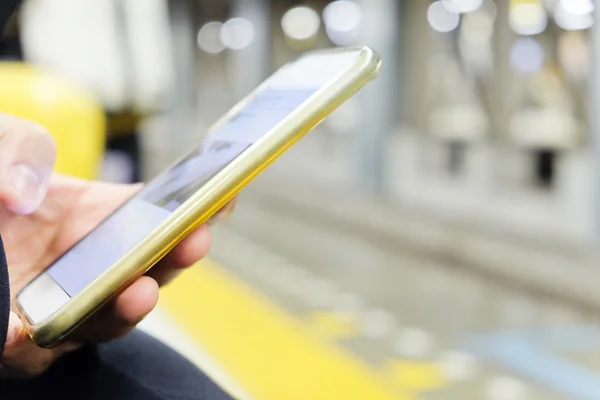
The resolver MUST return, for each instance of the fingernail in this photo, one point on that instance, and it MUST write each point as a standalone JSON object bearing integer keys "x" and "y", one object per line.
{"x": 15, "y": 326}
{"x": 30, "y": 188}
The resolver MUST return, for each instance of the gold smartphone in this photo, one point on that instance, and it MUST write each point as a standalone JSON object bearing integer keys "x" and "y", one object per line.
{"x": 238, "y": 147}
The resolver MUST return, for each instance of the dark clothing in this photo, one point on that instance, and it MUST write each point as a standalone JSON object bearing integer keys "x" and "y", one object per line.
{"x": 4, "y": 298}
{"x": 7, "y": 9}
{"x": 136, "y": 367}
{"x": 9, "y": 42}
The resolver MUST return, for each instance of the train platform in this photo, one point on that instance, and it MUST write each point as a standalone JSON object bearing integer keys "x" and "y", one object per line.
{"x": 270, "y": 323}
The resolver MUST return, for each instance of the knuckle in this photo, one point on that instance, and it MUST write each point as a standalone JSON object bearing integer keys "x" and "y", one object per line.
{"x": 27, "y": 136}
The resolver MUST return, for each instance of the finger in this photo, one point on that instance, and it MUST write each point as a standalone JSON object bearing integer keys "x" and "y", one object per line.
{"x": 27, "y": 156}
{"x": 191, "y": 250}
{"x": 136, "y": 301}
{"x": 15, "y": 335}
{"x": 24, "y": 359}
{"x": 122, "y": 314}
{"x": 224, "y": 213}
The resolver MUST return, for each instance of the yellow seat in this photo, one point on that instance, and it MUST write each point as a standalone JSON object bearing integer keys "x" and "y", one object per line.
{"x": 74, "y": 118}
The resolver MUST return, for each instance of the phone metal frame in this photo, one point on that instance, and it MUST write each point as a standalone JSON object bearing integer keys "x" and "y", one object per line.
{"x": 217, "y": 192}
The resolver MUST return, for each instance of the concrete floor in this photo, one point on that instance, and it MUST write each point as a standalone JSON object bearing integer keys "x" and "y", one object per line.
{"x": 401, "y": 314}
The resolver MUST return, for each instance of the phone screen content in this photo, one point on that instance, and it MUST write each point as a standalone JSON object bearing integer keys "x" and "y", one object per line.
{"x": 146, "y": 211}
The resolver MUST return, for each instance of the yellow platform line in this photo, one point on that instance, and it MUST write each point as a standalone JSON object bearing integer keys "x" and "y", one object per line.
{"x": 263, "y": 349}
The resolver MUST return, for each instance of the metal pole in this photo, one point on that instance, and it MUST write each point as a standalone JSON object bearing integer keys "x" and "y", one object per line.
{"x": 168, "y": 134}
{"x": 183, "y": 108}
{"x": 252, "y": 65}
{"x": 379, "y": 100}
{"x": 594, "y": 118}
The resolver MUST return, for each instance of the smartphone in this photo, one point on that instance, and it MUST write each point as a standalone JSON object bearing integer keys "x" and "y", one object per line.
{"x": 236, "y": 149}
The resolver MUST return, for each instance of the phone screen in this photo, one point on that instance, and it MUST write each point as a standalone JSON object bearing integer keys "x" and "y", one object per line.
{"x": 147, "y": 210}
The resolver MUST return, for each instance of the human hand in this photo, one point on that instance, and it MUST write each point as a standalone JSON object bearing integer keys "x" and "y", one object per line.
{"x": 41, "y": 216}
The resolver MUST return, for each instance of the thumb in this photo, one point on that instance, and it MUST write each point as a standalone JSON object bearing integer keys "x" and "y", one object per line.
{"x": 27, "y": 156}
{"x": 22, "y": 358}
{"x": 15, "y": 336}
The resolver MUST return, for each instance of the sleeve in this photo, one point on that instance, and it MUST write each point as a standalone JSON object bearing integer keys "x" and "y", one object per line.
{"x": 7, "y": 9}
{"x": 4, "y": 297}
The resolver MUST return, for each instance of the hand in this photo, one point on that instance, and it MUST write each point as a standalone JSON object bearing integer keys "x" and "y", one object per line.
{"x": 41, "y": 216}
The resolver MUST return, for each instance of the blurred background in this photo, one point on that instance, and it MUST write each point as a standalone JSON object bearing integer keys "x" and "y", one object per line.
{"x": 435, "y": 238}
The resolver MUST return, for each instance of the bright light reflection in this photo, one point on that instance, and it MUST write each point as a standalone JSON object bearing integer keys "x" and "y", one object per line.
{"x": 527, "y": 56}
{"x": 301, "y": 23}
{"x": 577, "y": 7}
{"x": 464, "y": 6}
{"x": 342, "y": 21}
{"x": 209, "y": 38}
{"x": 237, "y": 33}
{"x": 528, "y": 18}
{"x": 570, "y": 21}
{"x": 442, "y": 17}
